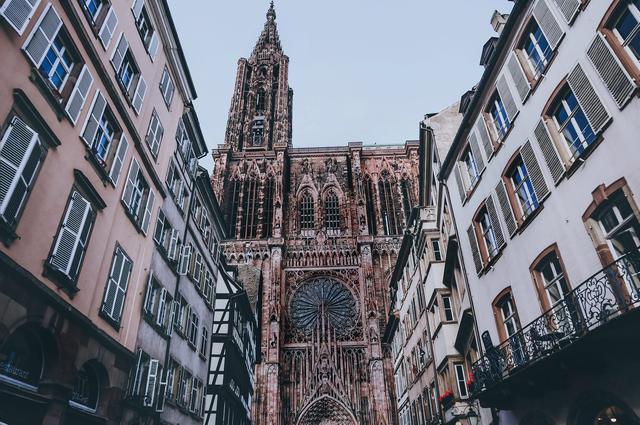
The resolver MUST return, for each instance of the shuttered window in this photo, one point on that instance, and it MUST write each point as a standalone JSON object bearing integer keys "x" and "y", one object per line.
{"x": 71, "y": 241}
{"x": 588, "y": 99}
{"x": 505, "y": 207}
{"x": 18, "y": 13}
{"x": 21, "y": 154}
{"x": 116, "y": 290}
{"x": 79, "y": 94}
{"x": 155, "y": 133}
{"x": 548, "y": 23}
{"x": 157, "y": 305}
{"x": 507, "y": 99}
{"x": 519, "y": 78}
{"x": 619, "y": 83}
{"x": 118, "y": 162}
{"x": 499, "y": 119}
{"x": 626, "y": 28}
{"x": 475, "y": 251}
{"x": 572, "y": 124}
{"x": 568, "y": 8}
{"x": 536, "y": 50}
{"x": 108, "y": 28}
{"x": 128, "y": 74}
{"x": 167, "y": 88}
{"x": 483, "y": 134}
{"x": 495, "y": 226}
{"x": 549, "y": 151}
{"x": 137, "y": 196}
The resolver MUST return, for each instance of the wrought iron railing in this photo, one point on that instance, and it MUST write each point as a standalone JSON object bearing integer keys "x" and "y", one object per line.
{"x": 611, "y": 292}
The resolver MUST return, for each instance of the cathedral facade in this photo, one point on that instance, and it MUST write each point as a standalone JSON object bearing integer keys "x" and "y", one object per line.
{"x": 314, "y": 234}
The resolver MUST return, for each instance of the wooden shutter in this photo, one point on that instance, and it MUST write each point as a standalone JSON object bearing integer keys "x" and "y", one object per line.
{"x": 619, "y": 83}
{"x": 588, "y": 99}
{"x": 108, "y": 28}
{"x": 18, "y": 13}
{"x": 568, "y": 8}
{"x": 535, "y": 173}
{"x": 147, "y": 211}
{"x": 153, "y": 46}
{"x": 152, "y": 377}
{"x": 507, "y": 98}
{"x": 117, "y": 286}
{"x": 549, "y": 151}
{"x": 519, "y": 77}
{"x": 475, "y": 150}
{"x": 79, "y": 94}
{"x": 548, "y": 23}
{"x": 495, "y": 223}
{"x": 136, "y": 7}
{"x": 505, "y": 206}
{"x": 138, "y": 97}
{"x": 132, "y": 177}
{"x": 461, "y": 189}
{"x": 481, "y": 129}
{"x": 173, "y": 245}
{"x": 91, "y": 126}
{"x": 72, "y": 236}
{"x": 475, "y": 251}
{"x": 118, "y": 161}
{"x": 42, "y": 36}
{"x": 20, "y": 157}
{"x": 118, "y": 53}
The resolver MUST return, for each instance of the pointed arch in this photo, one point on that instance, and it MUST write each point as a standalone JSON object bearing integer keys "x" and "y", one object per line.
{"x": 407, "y": 197}
{"x": 389, "y": 206}
{"x": 327, "y": 408}
{"x": 332, "y": 219}
{"x": 369, "y": 192}
{"x": 306, "y": 208}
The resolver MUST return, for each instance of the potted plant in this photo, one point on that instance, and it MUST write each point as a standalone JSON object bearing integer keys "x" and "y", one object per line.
{"x": 446, "y": 399}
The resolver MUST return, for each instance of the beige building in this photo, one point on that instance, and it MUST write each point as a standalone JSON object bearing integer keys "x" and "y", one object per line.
{"x": 91, "y": 97}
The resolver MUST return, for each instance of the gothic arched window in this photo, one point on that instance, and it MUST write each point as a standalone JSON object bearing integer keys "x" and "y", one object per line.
{"x": 260, "y": 101}
{"x": 249, "y": 226}
{"x": 267, "y": 224}
{"x": 389, "y": 207}
{"x": 307, "y": 219}
{"x": 86, "y": 388}
{"x": 407, "y": 198}
{"x": 232, "y": 198}
{"x": 332, "y": 211}
{"x": 371, "y": 209}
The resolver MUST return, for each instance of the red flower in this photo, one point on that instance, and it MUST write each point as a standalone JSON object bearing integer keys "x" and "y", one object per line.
{"x": 445, "y": 396}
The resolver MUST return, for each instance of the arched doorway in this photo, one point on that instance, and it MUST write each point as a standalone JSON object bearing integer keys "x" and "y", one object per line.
{"x": 326, "y": 411}
{"x": 602, "y": 408}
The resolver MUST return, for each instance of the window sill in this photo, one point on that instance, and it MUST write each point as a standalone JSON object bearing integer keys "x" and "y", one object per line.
{"x": 573, "y": 167}
{"x": 173, "y": 264}
{"x": 45, "y": 88}
{"x": 97, "y": 165}
{"x": 151, "y": 321}
{"x": 489, "y": 265}
{"x": 525, "y": 223}
{"x": 61, "y": 280}
{"x": 114, "y": 324}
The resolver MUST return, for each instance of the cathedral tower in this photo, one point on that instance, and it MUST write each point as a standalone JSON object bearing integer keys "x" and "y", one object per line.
{"x": 314, "y": 234}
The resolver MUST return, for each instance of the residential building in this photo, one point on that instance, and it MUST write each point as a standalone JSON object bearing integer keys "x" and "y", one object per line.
{"x": 543, "y": 186}
{"x": 91, "y": 96}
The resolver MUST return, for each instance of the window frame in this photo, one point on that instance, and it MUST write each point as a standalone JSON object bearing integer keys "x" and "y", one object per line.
{"x": 535, "y": 269}
{"x": 506, "y": 295}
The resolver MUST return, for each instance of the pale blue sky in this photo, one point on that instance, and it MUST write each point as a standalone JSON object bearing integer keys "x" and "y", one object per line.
{"x": 361, "y": 70}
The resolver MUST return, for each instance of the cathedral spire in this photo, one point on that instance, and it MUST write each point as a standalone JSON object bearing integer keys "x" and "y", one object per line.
{"x": 269, "y": 41}
{"x": 271, "y": 13}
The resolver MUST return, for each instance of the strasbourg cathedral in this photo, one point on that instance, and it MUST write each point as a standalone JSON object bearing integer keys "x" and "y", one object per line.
{"x": 314, "y": 234}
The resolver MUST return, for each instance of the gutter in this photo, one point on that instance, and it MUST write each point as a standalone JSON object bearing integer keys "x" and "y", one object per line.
{"x": 519, "y": 7}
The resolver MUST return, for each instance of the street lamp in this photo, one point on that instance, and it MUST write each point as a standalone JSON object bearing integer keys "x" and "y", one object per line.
{"x": 472, "y": 416}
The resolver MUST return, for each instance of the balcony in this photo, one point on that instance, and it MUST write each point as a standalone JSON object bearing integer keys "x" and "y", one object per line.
{"x": 593, "y": 323}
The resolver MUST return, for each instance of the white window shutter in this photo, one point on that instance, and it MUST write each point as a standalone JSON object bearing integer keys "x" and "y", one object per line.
{"x": 162, "y": 303}
{"x": 147, "y": 307}
{"x": 588, "y": 99}
{"x": 162, "y": 391}
{"x": 152, "y": 378}
{"x": 475, "y": 150}
{"x": 185, "y": 259}
{"x": 118, "y": 161}
{"x": 159, "y": 232}
{"x": 20, "y": 156}
{"x": 481, "y": 129}
{"x": 98, "y": 107}
{"x": 117, "y": 284}
{"x": 172, "y": 318}
{"x": 568, "y": 8}
{"x": 505, "y": 206}
{"x": 506, "y": 97}
{"x": 43, "y": 34}
{"x": 475, "y": 251}
{"x": 461, "y": 188}
{"x": 549, "y": 151}
{"x": 138, "y": 97}
{"x": 495, "y": 222}
{"x": 535, "y": 173}
{"x": 69, "y": 247}
{"x": 118, "y": 53}
{"x": 153, "y": 45}
{"x": 136, "y": 7}
{"x": 79, "y": 94}
{"x": 134, "y": 389}
{"x": 519, "y": 78}
{"x": 618, "y": 81}
{"x": 173, "y": 245}
{"x": 132, "y": 176}
{"x": 548, "y": 23}
{"x": 108, "y": 28}
{"x": 18, "y": 13}
{"x": 147, "y": 211}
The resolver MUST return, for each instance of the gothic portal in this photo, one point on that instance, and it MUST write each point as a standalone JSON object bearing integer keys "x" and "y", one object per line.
{"x": 314, "y": 233}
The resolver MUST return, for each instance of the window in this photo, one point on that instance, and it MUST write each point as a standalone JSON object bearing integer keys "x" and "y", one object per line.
{"x": 92, "y": 8}
{"x": 447, "y": 308}
{"x": 551, "y": 281}
{"x": 488, "y": 236}
{"x": 267, "y": 224}
{"x": 158, "y": 305}
{"x": 572, "y": 123}
{"x": 145, "y": 380}
{"x": 619, "y": 224}
{"x": 116, "y": 290}
{"x": 407, "y": 198}
{"x": 137, "y": 197}
{"x": 154, "y": 134}
{"x": 204, "y": 341}
{"x": 626, "y": 28}
{"x": 21, "y": 154}
{"x": 167, "y": 88}
{"x": 307, "y": 212}
{"x": 101, "y": 134}
{"x": 181, "y": 315}
{"x": 523, "y": 188}
{"x": 86, "y": 389}
{"x": 437, "y": 253}
{"x": 21, "y": 357}
{"x": 108, "y": 27}
{"x": 167, "y": 238}
{"x": 536, "y": 49}
{"x": 57, "y": 62}
{"x": 461, "y": 380}
{"x": 145, "y": 27}
{"x": 371, "y": 209}
{"x": 506, "y": 316}
{"x": 499, "y": 118}
{"x": 176, "y": 185}
{"x": 128, "y": 74}
{"x": 250, "y": 206}
{"x": 71, "y": 242}
{"x": 470, "y": 174}
{"x": 389, "y": 206}
{"x": 332, "y": 211}
{"x": 194, "y": 323}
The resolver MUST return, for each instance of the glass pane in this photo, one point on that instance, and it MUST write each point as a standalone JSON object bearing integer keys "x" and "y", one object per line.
{"x": 626, "y": 24}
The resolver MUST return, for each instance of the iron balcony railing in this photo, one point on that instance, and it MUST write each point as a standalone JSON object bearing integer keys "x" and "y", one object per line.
{"x": 610, "y": 293}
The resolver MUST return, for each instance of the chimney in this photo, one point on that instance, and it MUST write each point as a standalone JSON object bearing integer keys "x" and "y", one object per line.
{"x": 498, "y": 20}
